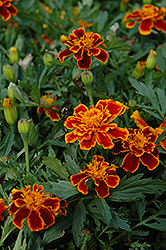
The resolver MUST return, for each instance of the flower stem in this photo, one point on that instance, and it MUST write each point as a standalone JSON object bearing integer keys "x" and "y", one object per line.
{"x": 25, "y": 141}
{"x": 89, "y": 91}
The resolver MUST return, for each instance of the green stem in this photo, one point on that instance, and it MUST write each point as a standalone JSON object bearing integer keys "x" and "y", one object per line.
{"x": 89, "y": 91}
{"x": 25, "y": 141}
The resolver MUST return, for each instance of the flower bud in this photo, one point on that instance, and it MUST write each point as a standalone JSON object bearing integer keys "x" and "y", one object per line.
{"x": 23, "y": 126}
{"x": 132, "y": 103}
{"x": 47, "y": 59}
{"x": 8, "y": 72}
{"x": 13, "y": 55}
{"x": 151, "y": 59}
{"x": 10, "y": 111}
{"x": 123, "y": 5}
{"x": 87, "y": 77}
{"x": 139, "y": 70}
{"x": 10, "y": 92}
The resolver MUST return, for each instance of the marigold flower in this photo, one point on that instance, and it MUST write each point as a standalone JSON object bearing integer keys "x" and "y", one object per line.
{"x": 91, "y": 126}
{"x": 83, "y": 46}
{"x": 104, "y": 176}
{"x": 47, "y": 8}
{"x": 157, "y": 131}
{"x": 34, "y": 205}
{"x": 2, "y": 208}
{"x": 46, "y": 39}
{"x": 6, "y": 9}
{"x": 141, "y": 147}
{"x": 148, "y": 17}
{"x": 50, "y": 113}
{"x": 84, "y": 23}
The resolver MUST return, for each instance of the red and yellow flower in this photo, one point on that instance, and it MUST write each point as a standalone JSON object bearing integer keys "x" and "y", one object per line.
{"x": 6, "y": 9}
{"x": 50, "y": 113}
{"x": 141, "y": 147}
{"x": 84, "y": 23}
{"x": 91, "y": 126}
{"x": 83, "y": 46}
{"x": 104, "y": 176}
{"x": 2, "y": 208}
{"x": 148, "y": 17}
{"x": 157, "y": 131}
{"x": 34, "y": 205}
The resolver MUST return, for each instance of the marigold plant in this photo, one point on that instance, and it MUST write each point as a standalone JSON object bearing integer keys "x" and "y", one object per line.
{"x": 148, "y": 17}
{"x": 104, "y": 176}
{"x": 141, "y": 147}
{"x": 54, "y": 116}
{"x": 7, "y": 9}
{"x": 2, "y": 208}
{"x": 83, "y": 45}
{"x": 94, "y": 125}
{"x": 36, "y": 206}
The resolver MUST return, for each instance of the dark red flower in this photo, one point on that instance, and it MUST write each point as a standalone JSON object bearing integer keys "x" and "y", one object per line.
{"x": 6, "y": 9}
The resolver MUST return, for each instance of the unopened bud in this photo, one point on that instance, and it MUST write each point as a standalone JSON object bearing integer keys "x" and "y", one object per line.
{"x": 132, "y": 103}
{"x": 87, "y": 77}
{"x": 8, "y": 72}
{"x": 10, "y": 111}
{"x": 123, "y": 5}
{"x": 139, "y": 70}
{"x": 23, "y": 126}
{"x": 151, "y": 59}
{"x": 10, "y": 92}
{"x": 47, "y": 59}
{"x": 13, "y": 55}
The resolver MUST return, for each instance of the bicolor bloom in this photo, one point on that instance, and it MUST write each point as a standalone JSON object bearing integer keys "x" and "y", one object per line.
{"x": 157, "y": 131}
{"x": 141, "y": 147}
{"x": 2, "y": 208}
{"x": 34, "y": 205}
{"x": 83, "y": 46}
{"x": 84, "y": 23}
{"x": 6, "y": 9}
{"x": 148, "y": 17}
{"x": 50, "y": 113}
{"x": 94, "y": 125}
{"x": 103, "y": 175}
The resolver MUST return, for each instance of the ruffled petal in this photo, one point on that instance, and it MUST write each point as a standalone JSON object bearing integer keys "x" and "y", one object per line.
{"x": 130, "y": 163}
{"x": 86, "y": 143}
{"x": 13, "y": 208}
{"x": 71, "y": 137}
{"x": 64, "y": 54}
{"x": 79, "y": 110}
{"x": 117, "y": 132}
{"x": 160, "y": 25}
{"x": 94, "y": 52}
{"x": 85, "y": 63}
{"x": 118, "y": 147}
{"x": 20, "y": 216}
{"x": 35, "y": 221}
{"x": 150, "y": 161}
{"x": 72, "y": 122}
{"x": 54, "y": 116}
{"x": 79, "y": 32}
{"x": 13, "y": 10}
{"x": 103, "y": 56}
{"x": 112, "y": 181}
{"x": 162, "y": 144}
{"x": 19, "y": 202}
{"x": 145, "y": 27}
{"x": 79, "y": 55}
{"x": 102, "y": 190}
{"x": 5, "y": 13}
{"x": 104, "y": 140}
{"x": 47, "y": 217}
{"x": 75, "y": 179}
{"x": 82, "y": 187}
{"x": 138, "y": 120}
{"x": 40, "y": 110}
{"x": 53, "y": 203}
{"x": 131, "y": 25}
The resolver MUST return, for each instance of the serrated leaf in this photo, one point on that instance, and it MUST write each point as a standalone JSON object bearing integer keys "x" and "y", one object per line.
{"x": 79, "y": 219}
{"x": 63, "y": 189}
{"x": 71, "y": 165}
{"x": 134, "y": 188}
{"x": 35, "y": 94}
{"x": 162, "y": 97}
{"x": 7, "y": 143}
{"x": 118, "y": 222}
{"x": 117, "y": 44}
{"x": 104, "y": 209}
{"x": 18, "y": 245}
{"x": 7, "y": 229}
{"x": 33, "y": 135}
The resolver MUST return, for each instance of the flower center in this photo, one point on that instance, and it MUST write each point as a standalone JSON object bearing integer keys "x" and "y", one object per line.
{"x": 92, "y": 118}
{"x": 85, "y": 41}
{"x": 150, "y": 13}
{"x": 47, "y": 100}
{"x": 98, "y": 170}
{"x": 137, "y": 139}
{"x": 8, "y": 103}
{"x": 33, "y": 199}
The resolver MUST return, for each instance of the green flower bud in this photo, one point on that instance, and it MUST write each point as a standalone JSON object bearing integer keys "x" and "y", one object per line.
{"x": 47, "y": 59}
{"x": 132, "y": 103}
{"x": 23, "y": 127}
{"x": 10, "y": 111}
{"x": 151, "y": 59}
{"x": 10, "y": 92}
{"x": 87, "y": 77}
{"x": 139, "y": 70}
{"x": 13, "y": 55}
{"x": 8, "y": 72}
{"x": 123, "y": 5}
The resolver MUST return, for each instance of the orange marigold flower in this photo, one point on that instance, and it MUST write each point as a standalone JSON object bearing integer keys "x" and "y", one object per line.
{"x": 46, "y": 39}
{"x": 84, "y": 23}
{"x": 157, "y": 131}
{"x": 6, "y": 9}
{"x": 50, "y": 113}
{"x": 47, "y": 8}
{"x": 91, "y": 126}
{"x": 34, "y": 205}
{"x": 104, "y": 176}
{"x": 148, "y": 17}
{"x": 2, "y": 208}
{"x": 141, "y": 147}
{"x": 83, "y": 46}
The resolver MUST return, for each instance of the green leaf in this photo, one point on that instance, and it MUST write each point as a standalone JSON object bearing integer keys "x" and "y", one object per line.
{"x": 33, "y": 135}
{"x": 18, "y": 245}
{"x": 63, "y": 189}
{"x": 56, "y": 166}
{"x": 35, "y": 94}
{"x": 134, "y": 188}
{"x": 79, "y": 219}
{"x": 10, "y": 36}
{"x": 162, "y": 97}
{"x": 117, "y": 44}
{"x": 7, "y": 229}
{"x": 104, "y": 209}
{"x": 71, "y": 165}
{"x": 54, "y": 232}
{"x": 160, "y": 61}
{"x": 118, "y": 222}
{"x": 19, "y": 94}
{"x": 7, "y": 143}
